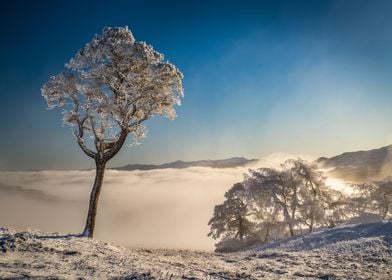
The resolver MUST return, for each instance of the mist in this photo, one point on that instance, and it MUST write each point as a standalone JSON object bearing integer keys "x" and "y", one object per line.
{"x": 150, "y": 209}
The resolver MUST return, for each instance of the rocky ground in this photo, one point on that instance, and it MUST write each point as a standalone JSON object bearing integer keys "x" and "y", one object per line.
{"x": 348, "y": 252}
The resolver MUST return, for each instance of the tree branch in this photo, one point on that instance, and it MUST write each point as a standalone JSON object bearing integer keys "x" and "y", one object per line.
{"x": 84, "y": 148}
{"x": 79, "y": 137}
{"x": 129, "y": 128}
{"x": 117, "y": 146}
{"x": 97, "y": 141}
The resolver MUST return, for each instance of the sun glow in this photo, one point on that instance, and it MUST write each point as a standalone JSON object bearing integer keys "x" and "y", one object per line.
{"x": 339, "y": 185}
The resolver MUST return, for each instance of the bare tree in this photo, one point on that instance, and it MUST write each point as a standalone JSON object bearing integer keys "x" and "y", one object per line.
{"x": 108, "y": 90}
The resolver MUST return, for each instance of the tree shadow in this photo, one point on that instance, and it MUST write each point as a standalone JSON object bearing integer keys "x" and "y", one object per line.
{"x": 63, "y": 236}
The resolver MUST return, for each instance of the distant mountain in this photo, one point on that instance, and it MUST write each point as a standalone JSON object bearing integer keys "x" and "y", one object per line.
{"x": 179, "y": 164}
{"x": 360, "y": 166}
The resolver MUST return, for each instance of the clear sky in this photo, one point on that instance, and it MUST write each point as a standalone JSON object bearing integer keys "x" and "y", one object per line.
{"x": 302, "y": 77}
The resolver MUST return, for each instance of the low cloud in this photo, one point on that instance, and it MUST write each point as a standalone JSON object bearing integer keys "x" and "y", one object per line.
{"x": 29, "y": 193}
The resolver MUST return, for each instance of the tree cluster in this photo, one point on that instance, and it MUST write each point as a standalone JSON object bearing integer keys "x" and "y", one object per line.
{"x": 273, "y": 203}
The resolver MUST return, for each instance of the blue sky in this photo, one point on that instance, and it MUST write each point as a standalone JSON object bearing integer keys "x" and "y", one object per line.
{"x": 302, "y": 77}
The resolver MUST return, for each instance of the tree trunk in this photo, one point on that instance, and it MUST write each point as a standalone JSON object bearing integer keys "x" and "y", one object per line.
{"x": 385, "y": 213}
{"x": 291, "y": 229}
{"x": 266, "y": 237}
{"x": 331, "y": 223}
{"x": 311, "y": 227}
{"x": 289, "y": 221}
{"x": 241, "y": 228}
{"x": 311, "y": 222}
{"x": 92, "y": 211}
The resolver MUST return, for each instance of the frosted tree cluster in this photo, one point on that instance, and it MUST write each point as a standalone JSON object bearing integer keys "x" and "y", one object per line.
{"x": 271, "y": 204}
{"x": 107, "y": 91}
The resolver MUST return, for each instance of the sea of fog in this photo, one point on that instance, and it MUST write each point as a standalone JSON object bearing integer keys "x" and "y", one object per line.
{"x": 167, "y": 208}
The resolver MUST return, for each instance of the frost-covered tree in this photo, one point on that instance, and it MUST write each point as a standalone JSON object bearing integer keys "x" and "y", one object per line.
{"x": 339, "y": 209}
{"x": 107, "y": 91}
{"x": 266, "y": 215}
{"x": 312, "y": 194}
{"x": 274, "y": 188}
{"x": 230, "y": 218}
{"x": 375, "y": 197}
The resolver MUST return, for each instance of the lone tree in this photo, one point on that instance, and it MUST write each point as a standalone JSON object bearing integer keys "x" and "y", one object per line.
{"x": 109, "y": 88}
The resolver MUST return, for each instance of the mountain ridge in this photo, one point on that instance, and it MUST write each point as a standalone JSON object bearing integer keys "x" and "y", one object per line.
{"x": 180, "y": 164}
{"x": 359, "y": 166}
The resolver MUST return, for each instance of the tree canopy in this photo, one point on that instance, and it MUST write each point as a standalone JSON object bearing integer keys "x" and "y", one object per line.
{"x": 110, "y": 87}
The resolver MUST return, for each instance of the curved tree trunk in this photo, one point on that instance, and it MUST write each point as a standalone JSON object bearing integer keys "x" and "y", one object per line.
{"x": 94, "y": 196}
{"x": 101, "y": 158}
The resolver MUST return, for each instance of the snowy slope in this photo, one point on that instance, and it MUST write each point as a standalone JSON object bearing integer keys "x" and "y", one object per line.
{"x": 346, "y": 252}
{"x": 355, "y": 233}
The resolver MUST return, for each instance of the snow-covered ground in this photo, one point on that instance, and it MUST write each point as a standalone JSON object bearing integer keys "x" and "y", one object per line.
{"x": 356, "y": 251}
